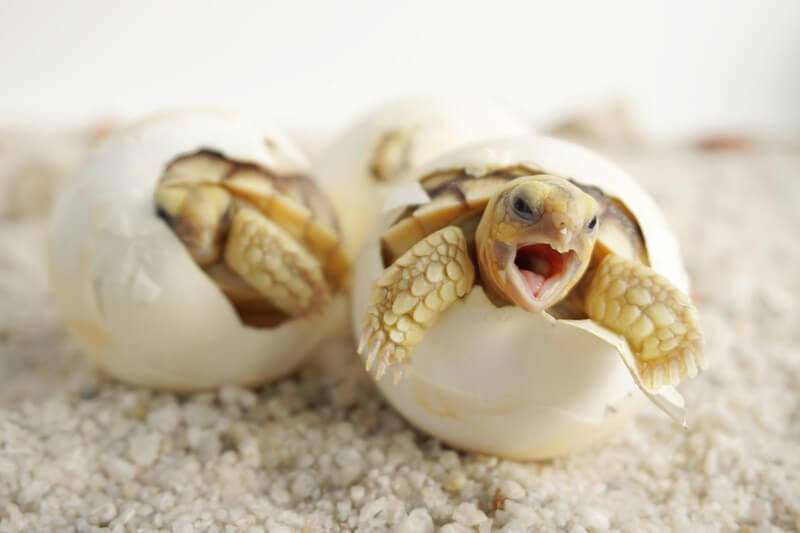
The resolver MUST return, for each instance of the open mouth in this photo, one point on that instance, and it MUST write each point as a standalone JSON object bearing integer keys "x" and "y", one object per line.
{"x": 541, "y": 268}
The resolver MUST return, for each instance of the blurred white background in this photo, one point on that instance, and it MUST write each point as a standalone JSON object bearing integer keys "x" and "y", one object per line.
{"x": 684, "y": 67}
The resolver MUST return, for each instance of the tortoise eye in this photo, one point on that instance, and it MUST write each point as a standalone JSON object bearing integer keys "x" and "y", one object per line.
{"x": 592, "y": 223}
{"x": 523, "y": 209}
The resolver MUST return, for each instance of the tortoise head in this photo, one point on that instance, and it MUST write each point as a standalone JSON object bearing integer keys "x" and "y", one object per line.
{"x": 535, "y": 240}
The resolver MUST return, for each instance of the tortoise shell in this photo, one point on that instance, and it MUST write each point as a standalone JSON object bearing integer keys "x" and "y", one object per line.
{"x": 458, "y": 197}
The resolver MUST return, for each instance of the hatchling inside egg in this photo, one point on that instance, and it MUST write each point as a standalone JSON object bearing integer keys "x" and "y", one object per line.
{"x": 195, "y": 249}
{"x": 524, "y": 294}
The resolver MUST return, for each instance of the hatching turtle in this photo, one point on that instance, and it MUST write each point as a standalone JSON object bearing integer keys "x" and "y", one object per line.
{"x": 271, "y": 242}
{"x": 536, "y": 240}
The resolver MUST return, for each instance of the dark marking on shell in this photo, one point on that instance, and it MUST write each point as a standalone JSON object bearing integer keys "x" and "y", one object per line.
{"x": 452, "y": 182}
{"x": 437, "y": 182}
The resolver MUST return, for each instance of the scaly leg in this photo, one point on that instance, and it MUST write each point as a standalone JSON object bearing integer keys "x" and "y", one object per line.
{"x": 658, "y": 320}
{"x": 411, "y": 294}
{"x": 266, "y": 257}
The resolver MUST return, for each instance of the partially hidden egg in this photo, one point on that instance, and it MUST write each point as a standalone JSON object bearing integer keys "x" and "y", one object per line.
{"x": 384, "y": 145}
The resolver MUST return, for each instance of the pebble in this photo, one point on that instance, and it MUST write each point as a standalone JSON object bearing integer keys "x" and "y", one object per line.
{"x": 104, "y": 513}
{"x": 593, "y": 518}
{"x": 512, "y": 489}
{"x": 143, "y": 449}
{"x": 418, "y": 521}
{"x": 165, "y": 418}
{"x": 200, "y": 415}
{"x": 303, "y": 485}
{"x": 119, "y": 469}
{"x": 357, "y": 493}
{"x": 371, "y": 509}
{"x": 351, "y": 463}
{"x": 279, "y": 495}
{"x": 468, "y": 514}
{"x": 454, "y": 480}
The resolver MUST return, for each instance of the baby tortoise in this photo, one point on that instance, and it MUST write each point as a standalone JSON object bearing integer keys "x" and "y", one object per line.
{"x": 271, "y": 242}
{"x": 540, "y": 242}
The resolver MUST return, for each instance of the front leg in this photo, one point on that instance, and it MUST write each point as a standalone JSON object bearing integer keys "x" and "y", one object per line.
{"x": 658, "y": 320}
{"x": 271, "y": 261}
{"x": 411, "y": 294}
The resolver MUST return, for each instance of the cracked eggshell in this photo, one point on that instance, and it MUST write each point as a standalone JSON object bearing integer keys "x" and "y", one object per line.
{"x": 128, "y": 290}
{"x": 424, "y": 127}
{"x": 505, "y": 381}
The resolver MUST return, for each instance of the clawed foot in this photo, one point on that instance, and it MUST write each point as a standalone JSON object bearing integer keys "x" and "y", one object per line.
{"x": 657, "y": 319}
{"x": 409, "y": 297}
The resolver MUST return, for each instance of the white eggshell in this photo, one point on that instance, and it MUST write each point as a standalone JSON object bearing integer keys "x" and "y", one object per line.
{"x": 512, "y": 383}
{"x": 434, "y": 124}
{"x": 128, "y": 289}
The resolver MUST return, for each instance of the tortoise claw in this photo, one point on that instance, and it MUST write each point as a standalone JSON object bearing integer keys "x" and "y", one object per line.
{"x": 371, "y": 355}
{"x": 380, "y": 371}
{"x": 362, "y": 342}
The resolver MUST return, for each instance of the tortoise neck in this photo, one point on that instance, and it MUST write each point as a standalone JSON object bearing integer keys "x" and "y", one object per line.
{"x": 490, "y": 254}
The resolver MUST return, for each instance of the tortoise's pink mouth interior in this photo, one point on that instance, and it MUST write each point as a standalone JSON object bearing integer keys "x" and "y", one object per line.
{"x": 541, "y": 268}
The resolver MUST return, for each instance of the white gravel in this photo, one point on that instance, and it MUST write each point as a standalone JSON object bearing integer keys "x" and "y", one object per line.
{"x": 321, "y": 451}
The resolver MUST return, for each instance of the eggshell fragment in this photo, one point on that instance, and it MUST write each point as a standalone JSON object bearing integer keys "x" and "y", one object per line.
{"x": 127, "y": 288}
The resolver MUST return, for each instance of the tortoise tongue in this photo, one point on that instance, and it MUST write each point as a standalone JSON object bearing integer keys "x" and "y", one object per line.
{"x": 538, "y": 264}
{"x": 533, "y": 280}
